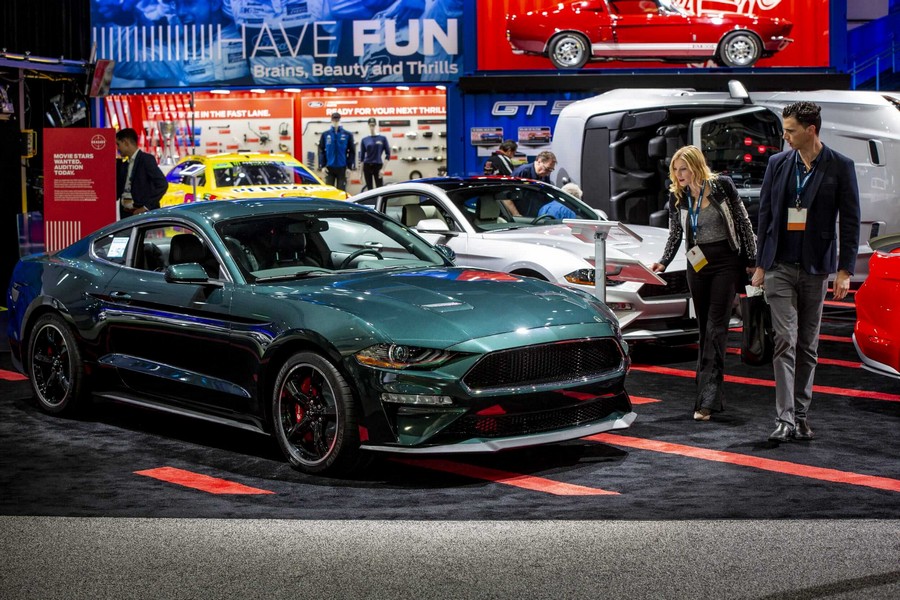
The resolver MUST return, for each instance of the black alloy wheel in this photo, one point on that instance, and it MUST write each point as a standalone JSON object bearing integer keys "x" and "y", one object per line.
{"x": 55, "y": 367}
{"x": 314, "y": 414}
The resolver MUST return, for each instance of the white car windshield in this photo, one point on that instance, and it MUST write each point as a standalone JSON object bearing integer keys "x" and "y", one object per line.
{"x": 511, "y": 206}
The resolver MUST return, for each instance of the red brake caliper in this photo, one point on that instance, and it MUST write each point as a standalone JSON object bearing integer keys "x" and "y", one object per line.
{"x": 305, "y": 387}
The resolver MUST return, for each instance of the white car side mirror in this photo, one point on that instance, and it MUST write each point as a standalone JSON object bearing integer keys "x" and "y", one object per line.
{"x": 431, "y": 225}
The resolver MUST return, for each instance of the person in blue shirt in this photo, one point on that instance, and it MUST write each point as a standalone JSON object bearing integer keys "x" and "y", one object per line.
{"x": 337, "y": 153}
{"x": 371, "y": 149}
{"x": 557, "y": 209}
{"x": 543, "y": 165}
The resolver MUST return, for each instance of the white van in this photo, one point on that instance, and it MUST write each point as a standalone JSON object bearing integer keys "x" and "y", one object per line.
{"x": 617, "y": 145}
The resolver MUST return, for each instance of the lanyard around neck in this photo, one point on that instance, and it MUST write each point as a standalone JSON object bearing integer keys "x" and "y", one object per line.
{"x": 694, "y": 211}
{"x": 802, "y": 181}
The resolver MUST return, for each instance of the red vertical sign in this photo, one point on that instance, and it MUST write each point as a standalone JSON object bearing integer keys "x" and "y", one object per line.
{"x": 79, "y": 183}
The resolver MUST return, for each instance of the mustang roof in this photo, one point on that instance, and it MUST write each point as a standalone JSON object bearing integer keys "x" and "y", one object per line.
{"x": 219, "y": 210}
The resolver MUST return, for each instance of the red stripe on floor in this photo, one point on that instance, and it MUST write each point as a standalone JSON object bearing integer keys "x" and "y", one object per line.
{"x": 824, "y": 337}
{"x": 821, "y": 389}
{"x": 641, "y": 400}
{"x": 840, "y": 304}
{"x": 11, "y": 376}
{"x": 836, "y": 338}
{"x": 204, "y": 483}
{"x": 834, "y": 362}
{"x": 765, "y": 464}
{"x": 527, "y": 482}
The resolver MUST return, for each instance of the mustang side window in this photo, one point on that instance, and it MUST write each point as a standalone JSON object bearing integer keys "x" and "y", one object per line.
{"x": 113, "y": 247}
{"x": 161, "y": 246}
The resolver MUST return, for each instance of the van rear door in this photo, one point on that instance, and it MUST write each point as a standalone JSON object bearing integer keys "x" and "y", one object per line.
{"x": 738, "y": 144}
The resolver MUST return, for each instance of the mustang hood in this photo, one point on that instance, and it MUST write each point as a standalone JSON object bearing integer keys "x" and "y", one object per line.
{"x": 453, "y": 305}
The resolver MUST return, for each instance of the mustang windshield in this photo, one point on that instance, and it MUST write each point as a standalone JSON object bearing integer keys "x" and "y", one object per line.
{"x": 293, "y": 245}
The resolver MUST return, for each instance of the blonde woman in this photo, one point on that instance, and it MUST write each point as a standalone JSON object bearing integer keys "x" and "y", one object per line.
{"x": 705, "y": 209}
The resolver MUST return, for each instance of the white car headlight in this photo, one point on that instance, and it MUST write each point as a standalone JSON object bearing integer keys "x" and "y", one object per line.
{"x": 586, "y": 277}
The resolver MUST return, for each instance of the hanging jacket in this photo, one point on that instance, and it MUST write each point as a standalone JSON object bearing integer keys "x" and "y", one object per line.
{"x": 336, "y": 149}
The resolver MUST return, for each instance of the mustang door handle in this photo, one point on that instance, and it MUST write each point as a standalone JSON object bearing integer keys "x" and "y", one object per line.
{"x": 120, "y": 295}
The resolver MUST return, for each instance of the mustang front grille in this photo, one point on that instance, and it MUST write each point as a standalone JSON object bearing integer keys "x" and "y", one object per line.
{"x": 545, "y": 364}
{"x": 676, "y": 286}
{"x": 498, "y": 426}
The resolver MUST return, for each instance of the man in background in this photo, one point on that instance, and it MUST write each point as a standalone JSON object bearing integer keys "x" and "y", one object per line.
{"x": 804, "y": 192}
{"x": 544, "y": 164}
{"x": 500, "y": 161}
{"x": 140, "y": 184}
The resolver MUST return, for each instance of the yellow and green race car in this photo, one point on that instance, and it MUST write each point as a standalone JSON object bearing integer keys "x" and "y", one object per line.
{"x": 244, "y": 175}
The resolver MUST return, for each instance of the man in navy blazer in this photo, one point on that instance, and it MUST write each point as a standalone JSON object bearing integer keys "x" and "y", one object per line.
{"x": 809, "y": 220}
{"x": 140, "y": 184}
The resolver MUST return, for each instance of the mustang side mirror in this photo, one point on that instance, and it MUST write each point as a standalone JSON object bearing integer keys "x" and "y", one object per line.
{"x": 192, "y": 273}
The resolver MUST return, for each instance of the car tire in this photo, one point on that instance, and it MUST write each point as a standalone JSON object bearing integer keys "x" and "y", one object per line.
{"x": 569, "y": 51}
{"x": 314, "y": 417}
{"x": 739, "y": 49}
{"x": 55, "y": 367}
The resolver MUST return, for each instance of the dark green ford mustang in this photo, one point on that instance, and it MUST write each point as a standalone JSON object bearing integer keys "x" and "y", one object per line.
{"x": 331, "y": 326}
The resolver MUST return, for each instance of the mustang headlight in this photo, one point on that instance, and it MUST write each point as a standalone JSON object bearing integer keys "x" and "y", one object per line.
{"x": 586, "y": 277}
{"x": 398, "y": 356}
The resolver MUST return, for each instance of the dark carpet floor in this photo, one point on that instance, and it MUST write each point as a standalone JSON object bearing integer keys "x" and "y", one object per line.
{"x": 87, "y": 467}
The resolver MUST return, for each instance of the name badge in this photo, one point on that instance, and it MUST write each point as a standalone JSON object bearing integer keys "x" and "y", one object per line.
{"x": 696, "y": 258}
{"x": 796, "y": 219}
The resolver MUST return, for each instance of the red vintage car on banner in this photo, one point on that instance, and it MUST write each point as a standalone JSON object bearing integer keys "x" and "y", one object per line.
{"x": 577, "y": 32}
{"x": 877, "y": 331}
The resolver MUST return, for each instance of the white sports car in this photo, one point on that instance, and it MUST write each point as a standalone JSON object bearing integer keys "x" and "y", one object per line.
{"x": 522, "y": 226}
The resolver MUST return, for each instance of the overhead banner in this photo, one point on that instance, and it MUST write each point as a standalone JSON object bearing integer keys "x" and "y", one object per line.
{"x": 539, "y": 35}
{"x": 168, "y": 43}
{"x": 79, "y": 183}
